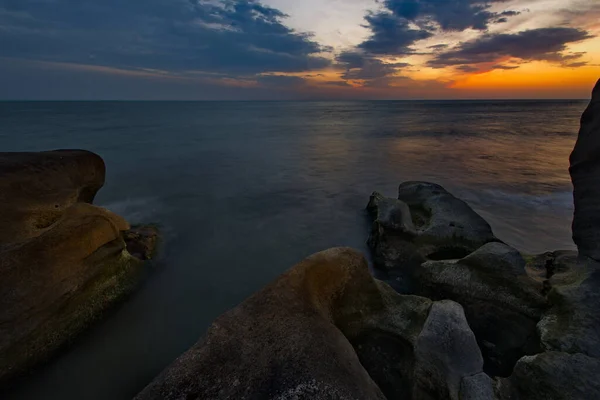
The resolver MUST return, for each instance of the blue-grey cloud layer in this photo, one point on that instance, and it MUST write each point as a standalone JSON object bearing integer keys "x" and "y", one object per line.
{"x": 225, "y": 37}
{"x": 544, "y": 44}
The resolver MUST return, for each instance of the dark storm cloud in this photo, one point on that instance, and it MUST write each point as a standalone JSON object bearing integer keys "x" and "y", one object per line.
{"x": 545, "y": 44}
{"x": 360, "y": 66}
{"x": 229, "y": 37}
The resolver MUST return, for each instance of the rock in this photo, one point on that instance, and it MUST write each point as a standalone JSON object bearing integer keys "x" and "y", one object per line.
{"x": 141, "y": 241}
{"x": 585, "y": 173}
{"x": 549, "y": 265}
{"x": 57, "y": 277}
{"x": 425, "y": 223}
{"x": 393, "y": 234}
{"x": 446, "y": 352}
{"x": 443, "y": 250}
{"x": 477, "y": 387}
{"x": 572, "y": 324}
{"x": 557, "y": 376}
{"x": 447, "y": 226}
{"x": 502, "y": 304}
{"x": 36, "y": 188}
{"x": 282, "y": 343}
{"x": 323, "y": 330}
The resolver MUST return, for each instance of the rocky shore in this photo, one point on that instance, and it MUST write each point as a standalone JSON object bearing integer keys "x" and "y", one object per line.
{"x": 468, "y": 317}
{"x": 63, "y": 261}
{"x": 472, "y": 318}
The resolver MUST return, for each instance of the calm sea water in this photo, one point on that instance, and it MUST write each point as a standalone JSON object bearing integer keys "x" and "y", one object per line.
{"x": 245, "y": 190}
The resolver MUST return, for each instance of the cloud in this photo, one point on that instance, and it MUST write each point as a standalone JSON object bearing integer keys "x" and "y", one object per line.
{"x": 391, "y": 35}
{"x": 337, "y": 83}
{"x": 437, "y": 47}
{"x": 544, "y": 44}
{"x": 280, "y": 81}
{"x": 504, "y": 67}
{"x": 576, "y": 64}
{"x": 402, "y": 23}
{"x": 467, "y": 68}
{"x": 449, "y": 15}
{"x": 361, "y": 66}
{"x": 237, "y": 37}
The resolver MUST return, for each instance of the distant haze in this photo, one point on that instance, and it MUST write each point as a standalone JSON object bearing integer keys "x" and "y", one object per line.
{"x": 288, "y": 49}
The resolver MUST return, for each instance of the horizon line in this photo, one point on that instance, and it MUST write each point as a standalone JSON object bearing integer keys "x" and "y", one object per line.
{"x": 273, "y": 100}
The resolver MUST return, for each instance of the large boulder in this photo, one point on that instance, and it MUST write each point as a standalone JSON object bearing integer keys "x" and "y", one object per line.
{"x": 326, "y": 330}
{"x": 63, "y": 261}
{"x": 501, "y": 302}
{"x": 585, "y": 173}
{"x": 424, "y": 223}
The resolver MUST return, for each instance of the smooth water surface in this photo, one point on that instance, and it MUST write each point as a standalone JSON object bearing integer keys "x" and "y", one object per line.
{"x": 243, "y": 190}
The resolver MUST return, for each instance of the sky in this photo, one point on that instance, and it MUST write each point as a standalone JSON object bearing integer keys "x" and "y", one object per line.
{"x": 298, "y": 49}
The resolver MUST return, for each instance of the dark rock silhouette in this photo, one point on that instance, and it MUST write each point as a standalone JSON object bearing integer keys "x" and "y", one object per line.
{"x": 585, "y": 173}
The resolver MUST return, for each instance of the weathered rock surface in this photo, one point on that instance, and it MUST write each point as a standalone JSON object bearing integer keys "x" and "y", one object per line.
{"x": 141, "y": 241}
{"x": 425, "y": 223}
{"x": 585, "y": 173}
{"x": 502, "y": 304}
{"x": 446, "y": 353}
{"x": 325, "y": 330}
{"x": 553, "y": 375}
{"x": 572, "y": 324}
{"x": 62, "y": 261}
{"x": 37, "y": 188}
{"x": 447, "y": 226}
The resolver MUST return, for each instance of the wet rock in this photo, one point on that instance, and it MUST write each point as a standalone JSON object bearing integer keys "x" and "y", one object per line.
{"x": 60, "y": 275}
{"x": 502, "y": 304}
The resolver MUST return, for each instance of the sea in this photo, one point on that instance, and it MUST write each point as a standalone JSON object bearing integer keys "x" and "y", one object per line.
{"x": 244, "y": 190}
